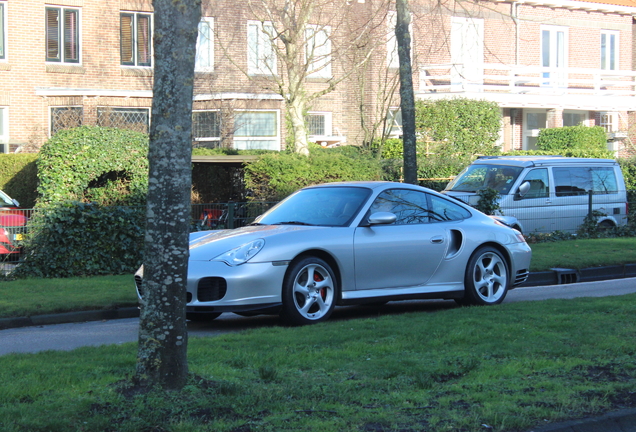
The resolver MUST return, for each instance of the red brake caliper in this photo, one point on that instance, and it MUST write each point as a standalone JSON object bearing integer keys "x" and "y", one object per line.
{"x": 318, "y": 278}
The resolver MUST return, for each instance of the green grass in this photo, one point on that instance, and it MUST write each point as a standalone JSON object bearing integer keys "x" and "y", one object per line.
{"x": 580, "y": 254}
{"x": 509, "y": 367}
{"x": 28, "y": 297}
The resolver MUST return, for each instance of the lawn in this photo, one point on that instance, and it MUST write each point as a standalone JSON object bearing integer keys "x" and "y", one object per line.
{"x": 505, "y": 368}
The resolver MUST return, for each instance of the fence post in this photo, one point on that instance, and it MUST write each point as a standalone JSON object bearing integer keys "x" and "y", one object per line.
{"x": 589, "y": 204}
{"x": 230, "y": 215}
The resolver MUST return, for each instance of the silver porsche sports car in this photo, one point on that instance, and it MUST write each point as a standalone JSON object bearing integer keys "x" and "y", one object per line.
{"x": 353, "y": 243}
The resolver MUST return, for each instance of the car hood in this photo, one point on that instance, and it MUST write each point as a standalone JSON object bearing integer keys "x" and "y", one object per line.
{"x": 207, "y": 245}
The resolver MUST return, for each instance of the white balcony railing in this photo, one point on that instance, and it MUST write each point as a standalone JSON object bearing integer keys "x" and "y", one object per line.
{"x": 531, "y": 80}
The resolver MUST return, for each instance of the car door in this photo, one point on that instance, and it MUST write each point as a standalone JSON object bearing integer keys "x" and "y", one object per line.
{"x": 405, "y": 253}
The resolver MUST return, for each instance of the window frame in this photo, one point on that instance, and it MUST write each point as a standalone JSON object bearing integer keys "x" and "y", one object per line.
{"x": 247, "y": 139}
{"x": 63, "y": 44}
{"x": 328, "y": 123}
{"x": 206, "y": 138}
{"x": 122, "y": 110}
{"x": 394, "y": 128}
{"x": 52, "y": 109}
{"x": 134, "y": 40}
{"x": 318, "y": 55}
{"x": 614, "y": 50}
{"x": 258, "y": 63}
{"x": 205, "y": 47}
{"x": 3, "y": 30}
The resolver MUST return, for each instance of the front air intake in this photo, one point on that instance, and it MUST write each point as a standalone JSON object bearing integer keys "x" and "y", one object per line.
{"x": 211, "y": 289}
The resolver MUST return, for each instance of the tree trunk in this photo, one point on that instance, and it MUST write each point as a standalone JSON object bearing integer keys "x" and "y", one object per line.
{"x": 407, "y": 103}
{"x": 162, "y": 353}
{"x": 295, "y": 111}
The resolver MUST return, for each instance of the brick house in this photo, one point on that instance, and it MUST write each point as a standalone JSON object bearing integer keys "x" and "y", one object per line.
{"x": 545, "y": 63}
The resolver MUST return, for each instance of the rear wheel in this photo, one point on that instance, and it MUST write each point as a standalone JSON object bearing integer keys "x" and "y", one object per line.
{"x": 309, "y": 292}
{"x": 486, "y": 280}
{"x": 605, "y": 225}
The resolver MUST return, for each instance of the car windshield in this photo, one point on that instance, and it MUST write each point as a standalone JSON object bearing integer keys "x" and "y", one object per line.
{"x": 322, "y": 206}
{"x": 477, "y": 177}
{"x": 5, "y": 201}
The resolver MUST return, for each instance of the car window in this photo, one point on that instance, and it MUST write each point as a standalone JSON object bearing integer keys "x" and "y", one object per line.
{"x": 604, "y": 180}
{"x": 539, "y": 183}
{"x": 415, "y": 207}
{"x": 324, "y": 206}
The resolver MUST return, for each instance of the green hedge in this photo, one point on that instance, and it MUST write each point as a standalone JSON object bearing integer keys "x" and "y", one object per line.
{"x": 577, "y": 139}
{"x": 274, "y": 176}
{"x": 79, "y": 239}
{"x": 18, "y": 177}
{"x": 108, "y": 166}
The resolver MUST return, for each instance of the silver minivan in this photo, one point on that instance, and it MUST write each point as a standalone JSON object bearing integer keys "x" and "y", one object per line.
{"x": 547, "y": 193}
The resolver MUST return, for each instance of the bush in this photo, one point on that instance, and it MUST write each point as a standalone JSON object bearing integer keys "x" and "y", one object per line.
{"x": 108, "y": 166}
{"x": 79, "y": 239}
{"x": 459, "y": 126}
{"x": 274, "y": 176}
{"x": 579, "y": 140}
{"x": 19, "y": 177}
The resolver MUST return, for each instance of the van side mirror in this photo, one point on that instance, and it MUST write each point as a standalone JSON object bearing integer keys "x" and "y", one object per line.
{"x": 523, "y": 189}
{"x": 15, "y": 201}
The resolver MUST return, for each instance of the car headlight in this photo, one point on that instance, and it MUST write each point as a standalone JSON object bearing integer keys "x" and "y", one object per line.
{"x": 242, "y": 254}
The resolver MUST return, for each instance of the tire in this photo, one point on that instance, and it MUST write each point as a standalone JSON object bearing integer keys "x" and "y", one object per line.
{"x": 202, "y": 317}
{"x": 487, "y": 278}
{"x": 605, "y": 225}
{"x": 309, "y": 292}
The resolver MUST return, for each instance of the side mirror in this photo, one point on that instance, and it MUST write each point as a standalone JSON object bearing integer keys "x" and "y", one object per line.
{"x": 524, "y": 188}
{"x": 382, "y": 218}
{"x": 15, "y": 201}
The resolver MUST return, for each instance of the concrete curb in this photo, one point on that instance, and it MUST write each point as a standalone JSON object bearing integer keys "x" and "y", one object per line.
{"x": 69, "y": 317}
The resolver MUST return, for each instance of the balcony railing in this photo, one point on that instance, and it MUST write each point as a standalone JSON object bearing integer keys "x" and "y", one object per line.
{"x": 520, "y": 80}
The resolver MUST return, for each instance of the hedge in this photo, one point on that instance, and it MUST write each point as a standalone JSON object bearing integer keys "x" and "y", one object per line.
{"x": 18, "y": 177}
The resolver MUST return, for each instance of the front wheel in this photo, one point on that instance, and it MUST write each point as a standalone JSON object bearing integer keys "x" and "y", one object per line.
{"x": 309, "y": 292}
{"x": 202, "y": 316}
{"x": 486, "y": 280}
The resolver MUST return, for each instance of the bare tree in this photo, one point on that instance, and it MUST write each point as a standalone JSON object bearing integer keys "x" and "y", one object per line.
{"x": 407, "y": 98}
{"x": 304, "y": 37}
{"x": 162, "y": 353}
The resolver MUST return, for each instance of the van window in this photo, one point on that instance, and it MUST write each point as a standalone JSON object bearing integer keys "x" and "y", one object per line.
{"x": 578, "y": 181}
{"x": 476, "y": 177}
{"x": 539, "y": 183}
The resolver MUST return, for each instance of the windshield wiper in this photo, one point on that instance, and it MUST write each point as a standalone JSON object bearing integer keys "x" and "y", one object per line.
{"x": 293, "y": 223}
{"x": 256, "y": 224}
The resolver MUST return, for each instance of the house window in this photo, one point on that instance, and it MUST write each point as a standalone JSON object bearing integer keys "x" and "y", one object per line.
{"x": 318, "y": 51}
{"x": 65, "y": 118}
{"x": 256, "y": 130}
{"x": 62, "y": 35}
{"x": 3, "y": 36}
{"x": 4, "y": 130}
{"x": 261, "y": 59}
{"x": 609, "y": 122}
{"x": 574, "y": 118}
{"x": 554, "y": 55}
{"x": 318, "y": 124}
{"x": 204, "y": 61}
{"x": 137, "y": 119}
{"x": 206, "y": 125}
{"x": 394, "y": 123}
{"x": 135, "y": 39}
{"x": 609, "y": 50}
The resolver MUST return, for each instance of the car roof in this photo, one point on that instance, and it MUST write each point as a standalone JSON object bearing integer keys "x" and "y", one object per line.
{"x": 530, "y": 161}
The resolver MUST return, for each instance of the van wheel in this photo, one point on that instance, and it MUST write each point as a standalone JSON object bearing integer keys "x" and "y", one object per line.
{"x": 605, "y": 225}
{"x": 486, "y": 280}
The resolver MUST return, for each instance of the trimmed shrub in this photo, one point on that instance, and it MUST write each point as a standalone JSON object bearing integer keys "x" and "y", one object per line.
{"x": 580, "y": 141}
{"x": 459, "y": 126}
{"x": 108, "y": 166}
{"x": 79, "y": 239}
{"x": 19, "y": 177}
{"x": 274, "y": 176}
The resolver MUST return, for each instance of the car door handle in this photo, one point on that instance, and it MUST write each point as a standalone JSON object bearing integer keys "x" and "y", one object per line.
{"x": 438, "y": 239}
